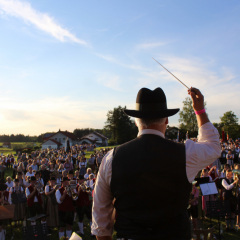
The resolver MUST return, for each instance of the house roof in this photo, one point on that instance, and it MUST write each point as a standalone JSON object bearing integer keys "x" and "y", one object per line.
{"x": 90, "y": 140}
{"x": 66, "y": 133}
{"x": 100, "y": 135}
{"x": 96, "y": 133}
{"x": 58, "y": 143}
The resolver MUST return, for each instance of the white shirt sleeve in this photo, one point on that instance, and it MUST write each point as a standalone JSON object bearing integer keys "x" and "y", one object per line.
{"x": 46, "y": 189}
{"x": 102, "y": 220}
{"x": 58, "y": 196}
{"x": 226, "y": 185}
{"x": 204, "y": 152}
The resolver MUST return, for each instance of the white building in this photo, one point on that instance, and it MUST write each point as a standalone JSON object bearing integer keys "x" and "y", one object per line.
{"x": 94, "y": 138}
{"x": 59, "y": 139}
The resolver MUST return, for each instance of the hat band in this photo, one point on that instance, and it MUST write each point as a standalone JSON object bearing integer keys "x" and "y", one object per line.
{"x": 149, "y": 107}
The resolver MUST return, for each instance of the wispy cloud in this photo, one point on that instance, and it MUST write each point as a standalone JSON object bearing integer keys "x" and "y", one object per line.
{"x": 220, "y": 86}
{"x": 42, "y": 21}
{"x": 150, "y": 45}
{"x": 110, "y": 81}
{"x": 107, "y": 58}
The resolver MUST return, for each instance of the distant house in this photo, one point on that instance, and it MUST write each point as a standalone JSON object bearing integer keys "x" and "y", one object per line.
{"x": 94, "y": 138}
{"x": 52, "y": 144}
{"x": 59, "y": 139}
{"x": 6, "y": 145}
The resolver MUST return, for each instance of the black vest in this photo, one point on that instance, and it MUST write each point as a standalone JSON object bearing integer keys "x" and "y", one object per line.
{"x": 228, "y": 193}
{"x": 151, "y": 189}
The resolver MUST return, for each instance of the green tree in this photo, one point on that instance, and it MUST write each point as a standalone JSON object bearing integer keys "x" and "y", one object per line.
{"x": 228, "y": 119}
{"x": 229, "y": 123}
{"x": 188, "y": 120}
{"x": 120, "y": 126}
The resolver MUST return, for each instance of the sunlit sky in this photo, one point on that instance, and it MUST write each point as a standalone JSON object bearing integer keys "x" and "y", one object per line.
{"x": 65, "y": 64}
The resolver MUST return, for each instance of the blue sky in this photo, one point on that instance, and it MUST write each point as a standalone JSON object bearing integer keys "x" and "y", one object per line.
{"x": 65, "y": 64}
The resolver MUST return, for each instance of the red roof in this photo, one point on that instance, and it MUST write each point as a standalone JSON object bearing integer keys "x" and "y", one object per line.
{"x": 66, "y": 133}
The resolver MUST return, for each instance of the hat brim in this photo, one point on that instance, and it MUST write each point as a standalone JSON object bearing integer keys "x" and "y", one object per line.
{"x": 159, "y": 114}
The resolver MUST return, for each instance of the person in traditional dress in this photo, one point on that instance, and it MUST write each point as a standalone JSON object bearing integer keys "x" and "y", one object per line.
{"x": 194, "y": 205}
{"x": 230, "y": 200}
{"x": 83, "y": 204}
{"x": 19, "y": 200}
{"x": 34, "y": 199}
{"x": 66, "y": 208}
{"x": 52, "y": 204}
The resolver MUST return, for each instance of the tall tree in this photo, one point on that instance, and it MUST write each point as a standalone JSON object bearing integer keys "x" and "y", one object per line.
{"x": 188, "y": 120}
{"x": 120, "y": 126}
{"x": 229, "y": 118}
{"x": 229, "y": 123}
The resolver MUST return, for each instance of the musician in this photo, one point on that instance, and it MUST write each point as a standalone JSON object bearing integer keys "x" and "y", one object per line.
{"x": 83, "y": 204}
{"x": 34, "y": 199}
{"x": 213, "y": 172}
{"x": 5, "y": 198}
{"x": 194, "y": 205}
{"x": 91, "y": 162}
{"x": 82, "y": 165}
{"x": 9, "y": 182}
{"x": 229, "y": 199}
{"x": 230, "y": 158}
{"x": 66, "y": 208}
{"x": 30, "y": 172}
{"x": 52, "y": 204}
{"x": 146, "y": 159}
{"x": 18, "y": 198}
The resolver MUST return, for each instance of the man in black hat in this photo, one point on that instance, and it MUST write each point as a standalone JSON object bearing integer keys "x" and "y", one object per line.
{"x": 149, "y": 204}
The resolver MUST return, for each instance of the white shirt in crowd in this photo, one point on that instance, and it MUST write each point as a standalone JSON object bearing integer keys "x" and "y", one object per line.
{"x": 226, "y": 185}
{"x": 28, "y": 193}
{"x": 198, "y": 155}
{"x": 28, "y": 174}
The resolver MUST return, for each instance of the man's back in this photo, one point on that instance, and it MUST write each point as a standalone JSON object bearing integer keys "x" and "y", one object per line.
{"x": 151, "y": 198}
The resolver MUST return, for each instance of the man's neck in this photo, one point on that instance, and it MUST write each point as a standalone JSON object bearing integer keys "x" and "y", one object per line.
{"x": 160, "y": 128}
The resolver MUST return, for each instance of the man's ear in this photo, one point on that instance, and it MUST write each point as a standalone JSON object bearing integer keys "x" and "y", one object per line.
{"x": 166, "y": 122}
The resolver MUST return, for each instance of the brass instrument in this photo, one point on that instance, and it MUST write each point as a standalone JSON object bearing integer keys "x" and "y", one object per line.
{"x": 84, "y": 187}
{"x": 39, "y": 187}
{"x": 71, "y": 192}
{"x": 236, "y": 174}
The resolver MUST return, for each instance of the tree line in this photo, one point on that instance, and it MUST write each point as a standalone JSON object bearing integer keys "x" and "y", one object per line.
{"x": 120, "y": 128}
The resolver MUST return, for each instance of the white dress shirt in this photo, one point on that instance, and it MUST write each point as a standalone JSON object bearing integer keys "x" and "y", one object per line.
{"x": 226, "y": 185}
{"x": 198, "y": 155}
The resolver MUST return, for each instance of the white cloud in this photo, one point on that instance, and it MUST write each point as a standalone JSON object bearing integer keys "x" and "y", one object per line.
{"x": 150, "y": 45}
{"x": 42, "y": 21}
{"x": 219, "y": 86}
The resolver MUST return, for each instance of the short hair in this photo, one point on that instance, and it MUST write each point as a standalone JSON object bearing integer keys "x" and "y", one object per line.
{"x": 145, "y": 122}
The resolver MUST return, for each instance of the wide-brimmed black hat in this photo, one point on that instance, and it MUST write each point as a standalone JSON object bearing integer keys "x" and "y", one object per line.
{"x": 151, "y": 104}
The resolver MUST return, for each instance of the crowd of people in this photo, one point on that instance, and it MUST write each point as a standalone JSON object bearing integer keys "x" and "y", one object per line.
{"x": 60, "y": 185}
{"x": 54, "y": 184}
{"x": 225, "y": 173}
